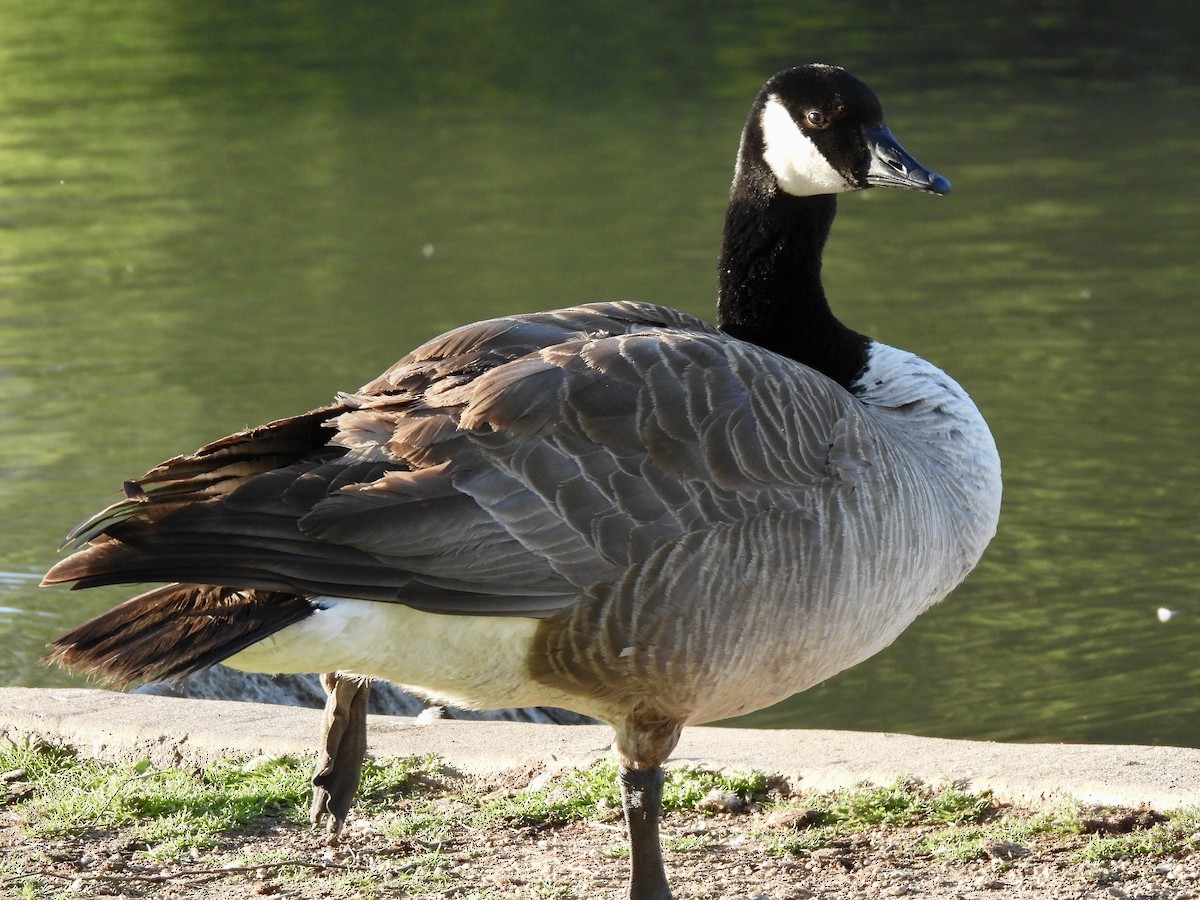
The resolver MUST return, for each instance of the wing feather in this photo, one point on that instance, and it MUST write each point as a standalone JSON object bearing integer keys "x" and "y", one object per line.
{"x": 502, "y": 468}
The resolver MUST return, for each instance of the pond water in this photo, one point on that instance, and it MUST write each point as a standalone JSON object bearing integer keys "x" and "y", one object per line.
{"x": 213, "y": 215}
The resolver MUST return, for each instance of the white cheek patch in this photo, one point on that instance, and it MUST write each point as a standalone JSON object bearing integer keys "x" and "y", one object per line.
{"x": 799, "y": 167}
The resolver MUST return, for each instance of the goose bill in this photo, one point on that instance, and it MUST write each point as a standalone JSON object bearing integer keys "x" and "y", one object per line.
{"x": 892, "y": 166}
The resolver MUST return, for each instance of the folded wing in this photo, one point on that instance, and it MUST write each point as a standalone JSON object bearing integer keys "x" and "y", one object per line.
{"x": 502, "y": 468}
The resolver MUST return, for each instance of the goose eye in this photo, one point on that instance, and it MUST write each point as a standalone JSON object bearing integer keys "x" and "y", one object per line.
{"x": 816, "y": 119}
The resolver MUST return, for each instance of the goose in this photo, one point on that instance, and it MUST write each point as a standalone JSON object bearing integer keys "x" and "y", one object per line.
{"x": 616, "y": 508}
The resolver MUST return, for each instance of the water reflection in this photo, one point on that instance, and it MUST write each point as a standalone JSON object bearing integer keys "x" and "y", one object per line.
{"x": 216, "y": 215}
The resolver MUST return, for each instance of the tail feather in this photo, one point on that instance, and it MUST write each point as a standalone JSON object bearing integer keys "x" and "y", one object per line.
{"x": 213, "y": 471}
{"x": 174, "y": 631}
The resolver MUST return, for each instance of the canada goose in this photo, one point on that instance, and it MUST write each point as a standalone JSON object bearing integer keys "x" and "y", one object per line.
{"x": 614, "y": 508}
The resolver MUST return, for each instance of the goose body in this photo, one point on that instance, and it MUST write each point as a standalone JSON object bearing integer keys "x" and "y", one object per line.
{"x": 722, "y": 503}
{"x": 615, "y": 508}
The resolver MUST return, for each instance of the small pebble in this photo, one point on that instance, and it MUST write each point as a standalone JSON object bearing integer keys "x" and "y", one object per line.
{"x": 717, "y": 801}
{"x": 794, "y": 818}
{"x": 1005, "y": 851}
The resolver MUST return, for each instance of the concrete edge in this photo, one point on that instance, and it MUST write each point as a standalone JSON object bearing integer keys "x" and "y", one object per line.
{"x": 181, "y": 732}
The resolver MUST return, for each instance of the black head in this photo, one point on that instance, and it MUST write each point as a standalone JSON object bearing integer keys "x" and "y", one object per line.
{"x": 817, "y": 129}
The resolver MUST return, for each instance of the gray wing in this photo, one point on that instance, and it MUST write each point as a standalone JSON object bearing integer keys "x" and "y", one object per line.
{"x": 502, "y": 468}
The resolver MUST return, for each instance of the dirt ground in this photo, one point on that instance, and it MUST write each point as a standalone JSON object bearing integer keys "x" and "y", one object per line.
{"x": 723, "y": 856}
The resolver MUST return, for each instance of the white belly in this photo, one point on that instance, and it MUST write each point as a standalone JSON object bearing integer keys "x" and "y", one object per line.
{"x": 473, "y": 662}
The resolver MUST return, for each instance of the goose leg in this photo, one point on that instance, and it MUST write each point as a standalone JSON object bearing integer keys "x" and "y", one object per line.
{"x": 641, "y": 797}
{"x": 343, "y": 749}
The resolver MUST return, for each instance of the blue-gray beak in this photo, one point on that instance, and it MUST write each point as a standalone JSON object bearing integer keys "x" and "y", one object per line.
{"x": 891, "y": 166}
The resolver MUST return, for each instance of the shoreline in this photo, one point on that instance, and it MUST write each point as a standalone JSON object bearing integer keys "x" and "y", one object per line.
{"x": 121, "y": 727}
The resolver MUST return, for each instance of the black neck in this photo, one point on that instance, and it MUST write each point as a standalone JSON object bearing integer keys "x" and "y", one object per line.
{"x": 770, "y": 289}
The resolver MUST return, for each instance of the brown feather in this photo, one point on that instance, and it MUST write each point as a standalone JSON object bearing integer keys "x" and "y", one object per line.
{"x": 175, "y": 630}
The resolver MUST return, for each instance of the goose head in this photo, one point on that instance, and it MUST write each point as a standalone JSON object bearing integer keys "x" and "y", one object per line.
{"x": 817, "y": 129}
{"x": 813, "y": 132}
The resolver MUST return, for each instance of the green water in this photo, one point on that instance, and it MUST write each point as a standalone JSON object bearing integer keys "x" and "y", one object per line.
{"x": 212, "y": 215}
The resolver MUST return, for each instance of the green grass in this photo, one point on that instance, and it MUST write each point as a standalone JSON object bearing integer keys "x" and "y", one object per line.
{"x": 569, "y": 797}
{"x": 686, "y": 787}
{"x": 174, "y": 811}
{"x": 576, "y": 795}
{"x": 685, "y": 843}
{"x": 969, "y": 842}
{"x": 1178, "y": 833}
{"x": 907, "y": 803}
{"x": 838, "y": 814}
{"x": 426, "y": 819}
{"x": 170, "y": 811}
{"x": 959, "y": 826}
{"x": 422, "y": 820}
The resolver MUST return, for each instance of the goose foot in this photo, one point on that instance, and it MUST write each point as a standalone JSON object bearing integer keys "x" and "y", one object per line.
{"x": 343, "y": 749}
{"x": 641, "y": 797}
